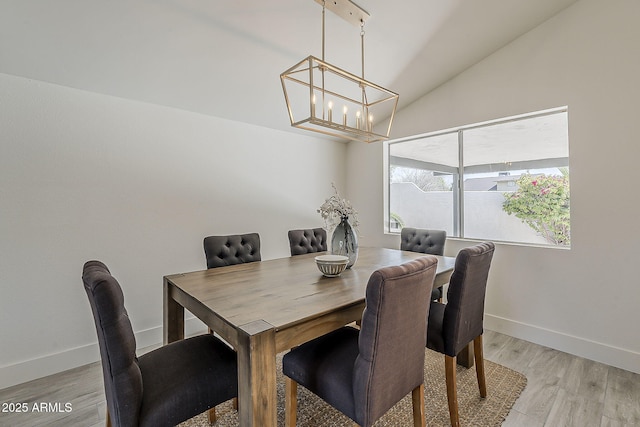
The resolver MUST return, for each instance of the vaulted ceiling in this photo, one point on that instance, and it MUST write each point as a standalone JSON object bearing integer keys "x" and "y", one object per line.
{"x": 224, "y": 58}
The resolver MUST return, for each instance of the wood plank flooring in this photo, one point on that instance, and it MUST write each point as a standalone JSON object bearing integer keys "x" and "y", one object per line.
{"x": 562, "y": 390}
{"x": 565, "y": 390}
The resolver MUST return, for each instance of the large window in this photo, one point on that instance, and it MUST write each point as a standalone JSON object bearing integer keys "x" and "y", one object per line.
{"x": 505, "y": 180}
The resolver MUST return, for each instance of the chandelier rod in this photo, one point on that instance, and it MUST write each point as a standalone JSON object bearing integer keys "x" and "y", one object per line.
{"x": 323, "y": 60}
{"x": 362, "y": 45}
{"x": 323, "y": 32}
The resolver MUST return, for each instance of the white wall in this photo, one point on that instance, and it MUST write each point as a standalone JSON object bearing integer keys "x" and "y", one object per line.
{"x": 584, "y": 300}
{"x": 87, "y": 176}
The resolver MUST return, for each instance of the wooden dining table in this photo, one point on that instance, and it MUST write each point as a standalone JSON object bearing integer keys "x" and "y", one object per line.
{"x": 264, "y": 308}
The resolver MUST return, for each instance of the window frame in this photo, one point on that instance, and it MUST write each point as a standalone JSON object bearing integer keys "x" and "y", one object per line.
{"x": 458, "y": 178}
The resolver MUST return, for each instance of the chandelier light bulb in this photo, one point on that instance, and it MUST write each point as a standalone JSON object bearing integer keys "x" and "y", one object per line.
{"x": 313, "y": 105}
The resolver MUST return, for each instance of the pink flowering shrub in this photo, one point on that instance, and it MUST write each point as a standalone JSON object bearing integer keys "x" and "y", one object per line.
{"x": 542, "y": 202}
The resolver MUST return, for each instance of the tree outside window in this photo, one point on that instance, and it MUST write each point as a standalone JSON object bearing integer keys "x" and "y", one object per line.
{"x": 542, "y": 202}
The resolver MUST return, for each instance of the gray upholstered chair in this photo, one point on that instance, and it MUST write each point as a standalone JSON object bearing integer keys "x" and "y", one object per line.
{"x": 221, "y": 251}
{"x": 452, "y": 326}
{"x": 233, "y": 249}
{"x": 427, "y": 242}
{"x": 165, "y": 386}
{"x": 364, "y": 373}
{"x": 307, "y": 241}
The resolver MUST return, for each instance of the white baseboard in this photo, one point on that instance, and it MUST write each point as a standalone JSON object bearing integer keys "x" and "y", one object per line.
{"x": 50, "y": 364}
{"x": 28, "y": 370}
{"x": 599, "y": 352}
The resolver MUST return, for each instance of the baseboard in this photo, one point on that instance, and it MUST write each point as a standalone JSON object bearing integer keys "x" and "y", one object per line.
{"x": 599, "y": 352}
{"x": 50, "y": 364}
{"x": 54, "y": 363}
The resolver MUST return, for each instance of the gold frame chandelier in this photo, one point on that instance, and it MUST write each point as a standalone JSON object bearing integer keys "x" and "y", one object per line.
{"x": 323, "y": 98}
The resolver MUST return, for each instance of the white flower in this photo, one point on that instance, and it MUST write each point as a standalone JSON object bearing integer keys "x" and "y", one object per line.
{"x": 334, "y": 209}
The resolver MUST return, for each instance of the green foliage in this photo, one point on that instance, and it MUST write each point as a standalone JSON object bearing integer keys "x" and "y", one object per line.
{"x": 542, "y": 202}
{"x": 398, "y": 219}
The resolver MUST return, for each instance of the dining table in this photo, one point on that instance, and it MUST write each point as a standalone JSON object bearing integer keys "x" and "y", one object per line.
{"x": 267, "y": 307}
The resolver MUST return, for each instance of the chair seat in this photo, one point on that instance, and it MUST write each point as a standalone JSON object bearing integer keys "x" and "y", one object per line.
{"x": 325, "y": 366}
{"x": 184, "y": 379}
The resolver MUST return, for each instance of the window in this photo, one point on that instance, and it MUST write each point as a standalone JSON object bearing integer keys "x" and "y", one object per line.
{"x": 505, "y": 180}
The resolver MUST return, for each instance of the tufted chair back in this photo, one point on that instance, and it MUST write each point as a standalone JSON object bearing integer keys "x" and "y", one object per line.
{"x": 307, "y": 241}
{"x": 422, "y": 240}
{"x": 122, "y": 375}
{"x": 234, "y": 249}
{"x": 427, "y": 242}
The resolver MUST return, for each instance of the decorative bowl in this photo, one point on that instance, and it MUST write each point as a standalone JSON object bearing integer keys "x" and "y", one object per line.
{"x": 331, "y": 265}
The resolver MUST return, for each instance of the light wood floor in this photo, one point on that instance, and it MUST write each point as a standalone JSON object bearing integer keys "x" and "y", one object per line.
{"x": 562, "y": 390}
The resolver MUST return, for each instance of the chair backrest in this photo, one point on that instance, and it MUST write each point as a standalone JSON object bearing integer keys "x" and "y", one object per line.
{"x": 307, "y": 241}
{"x": 122, "y": 376}
{"x": 423, "y": 240}
{"x": 392, "y": 338}
{"x": 234, "y": 249}
{"x": 463, "y": 314}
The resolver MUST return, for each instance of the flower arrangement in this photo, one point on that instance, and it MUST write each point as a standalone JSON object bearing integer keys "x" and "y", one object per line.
{"x": 335, "y": 208}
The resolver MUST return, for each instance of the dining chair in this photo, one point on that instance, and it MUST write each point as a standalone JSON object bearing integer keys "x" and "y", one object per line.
{"x": 452, "y": 326}
{"x": 364, "y": 373}
{"x": 427, "y": 242}
{"x": 307, "y": 241}
{"x": 165, "y": 386}
{"x": 233, "y": 249}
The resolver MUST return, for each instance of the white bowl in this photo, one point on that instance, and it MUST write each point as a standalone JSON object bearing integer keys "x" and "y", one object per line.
{"x": 331, "y": 265}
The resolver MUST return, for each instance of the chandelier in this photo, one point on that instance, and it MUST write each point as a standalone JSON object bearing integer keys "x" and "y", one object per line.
{"x": 323, "y": 98}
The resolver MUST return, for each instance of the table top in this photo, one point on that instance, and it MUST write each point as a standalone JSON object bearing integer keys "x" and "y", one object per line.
{"x": 287, "y": 291}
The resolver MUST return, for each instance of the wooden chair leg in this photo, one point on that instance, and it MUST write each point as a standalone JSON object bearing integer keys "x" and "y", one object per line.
{"x": 212, "y": 411}
{"x": 477, "y": 352}
{"x": 417, "y": 399}
{"x": 452, "y": 392}
{"x": 290, "y": 402}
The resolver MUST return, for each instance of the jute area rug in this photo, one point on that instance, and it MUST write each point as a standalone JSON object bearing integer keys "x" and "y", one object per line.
{"x": 503, "y": 388}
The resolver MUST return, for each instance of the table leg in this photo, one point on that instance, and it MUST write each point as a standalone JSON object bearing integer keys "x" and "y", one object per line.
{"x": 172, "y": 316}
{"x": 465, "y": 357}
{"x": 257, "y": 397}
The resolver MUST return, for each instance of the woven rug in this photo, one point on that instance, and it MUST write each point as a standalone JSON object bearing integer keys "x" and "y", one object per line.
{"x": 503, "y": 388}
